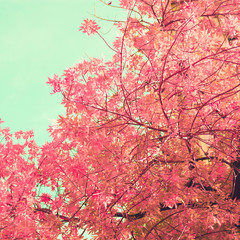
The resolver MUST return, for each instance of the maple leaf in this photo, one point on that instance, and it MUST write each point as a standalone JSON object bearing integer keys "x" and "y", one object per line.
{"x": 45, "y": 197}
{"x": 89, "y": 26}
{"x": 55, "y": 82}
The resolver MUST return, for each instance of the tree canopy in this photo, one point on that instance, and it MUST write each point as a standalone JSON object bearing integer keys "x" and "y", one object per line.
{"x": 150, "y": 142}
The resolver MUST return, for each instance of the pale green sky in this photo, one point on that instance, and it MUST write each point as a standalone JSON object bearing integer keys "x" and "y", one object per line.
{"x": 37, "y": 39}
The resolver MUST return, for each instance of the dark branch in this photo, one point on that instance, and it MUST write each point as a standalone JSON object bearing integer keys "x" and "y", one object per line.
{"x": 162, "y": 208}
{"x": 130, "y": 216}
{"x": 236, "y": 181}
{"x": 190, "y": 183}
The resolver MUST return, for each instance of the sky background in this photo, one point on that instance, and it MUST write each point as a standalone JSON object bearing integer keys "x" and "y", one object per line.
{"x": 37, "y": 39}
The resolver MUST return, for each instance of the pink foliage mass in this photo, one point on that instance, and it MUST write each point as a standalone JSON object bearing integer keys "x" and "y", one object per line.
{"x": 149, "y": 145}
{"x": 89, "y": 27}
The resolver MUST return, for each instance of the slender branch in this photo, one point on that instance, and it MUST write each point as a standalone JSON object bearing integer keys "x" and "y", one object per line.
{"x": 130, "y": 216}
{"x": 162, "y": 220}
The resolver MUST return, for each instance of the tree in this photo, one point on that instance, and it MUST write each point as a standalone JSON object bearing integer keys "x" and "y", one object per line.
{"x": 149, "y": 145}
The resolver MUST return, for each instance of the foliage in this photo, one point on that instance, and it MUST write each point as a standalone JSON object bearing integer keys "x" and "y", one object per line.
{"x": 149, "y": 145}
